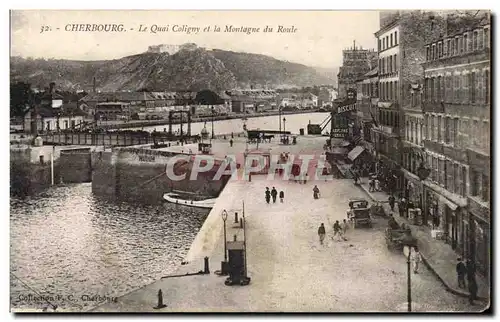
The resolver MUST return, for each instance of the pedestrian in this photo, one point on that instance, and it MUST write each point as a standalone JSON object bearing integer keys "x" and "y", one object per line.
{"x": 377, "y": 185}
{"x": 337, "y": 230}
{"x": 371, "y": 186}
{"x": 306, "y": 178}
{"x": 471, "y": 280}
{"x": 274, "y": 194}
{"x": 316, "y": 192}
{"x": 392, "y": 201}
{"x": 282, "y": 196}
{"x": 321, "y": 233}
{"x": 268, "y": 195}
{"x": 416, "y": 258}
{"x": 231, "y": 143}
{"x": 461, "y": 271}
{"x": 343, "y": 229}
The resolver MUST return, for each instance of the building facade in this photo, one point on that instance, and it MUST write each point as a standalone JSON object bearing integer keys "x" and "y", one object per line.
{"x": 356, "y": 62}
{"x": 457, "y": 140}
{"x": 401, "y": 51}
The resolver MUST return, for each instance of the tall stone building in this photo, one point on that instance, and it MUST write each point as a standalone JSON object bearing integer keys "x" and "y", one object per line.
{"x": 356, "y": 62}
{"x": 401, "y": 51}
{"x": 456, "y": 110}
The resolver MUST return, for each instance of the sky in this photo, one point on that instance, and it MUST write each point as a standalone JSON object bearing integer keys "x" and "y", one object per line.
{"x": 318, "y": 39}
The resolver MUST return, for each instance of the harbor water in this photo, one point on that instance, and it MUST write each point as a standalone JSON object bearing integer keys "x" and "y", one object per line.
{"x": 78, "y": 250}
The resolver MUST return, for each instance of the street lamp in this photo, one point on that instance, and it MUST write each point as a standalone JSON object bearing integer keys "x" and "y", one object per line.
{"x": 224, "y": 218}
{"x": 213, "y": 136}
{"x": 284, "y": 124}
{"x": 409, "y": 242}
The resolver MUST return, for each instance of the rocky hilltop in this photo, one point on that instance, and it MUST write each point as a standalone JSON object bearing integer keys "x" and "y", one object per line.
{"x": 186, "y": 69}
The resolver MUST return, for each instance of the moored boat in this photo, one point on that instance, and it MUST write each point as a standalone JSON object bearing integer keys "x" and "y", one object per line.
{"x": 180, "y": 199}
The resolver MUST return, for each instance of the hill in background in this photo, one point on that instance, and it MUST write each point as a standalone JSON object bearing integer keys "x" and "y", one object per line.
{"x": 193, "y": 69}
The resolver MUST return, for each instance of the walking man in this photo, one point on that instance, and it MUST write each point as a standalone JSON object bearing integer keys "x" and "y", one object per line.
{"x": 231, "y": 142}
{"x": 316, "y": 192}
{"x": 321, "y": 233}
{"x": 461, "y": 271}
{"x": 343, "y": 229}
{"x": 416, "y": 260}
{"x": 274, "y": 194}
{"x": 282, "y": 196}
{"x": 337, "y": 230}
{"x": 268, "y": 195}
{"x": 392, "y": 201}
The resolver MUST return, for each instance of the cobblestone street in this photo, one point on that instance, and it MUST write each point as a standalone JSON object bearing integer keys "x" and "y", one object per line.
{"x": 292, "y": 272}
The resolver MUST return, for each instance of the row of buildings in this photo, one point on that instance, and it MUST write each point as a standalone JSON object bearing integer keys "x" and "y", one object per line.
{"x": 54, "y": 113}
{"x": 424, "y": 114}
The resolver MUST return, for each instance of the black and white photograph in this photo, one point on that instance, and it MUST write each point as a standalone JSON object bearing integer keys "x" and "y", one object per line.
{"x": 286, "y": 161}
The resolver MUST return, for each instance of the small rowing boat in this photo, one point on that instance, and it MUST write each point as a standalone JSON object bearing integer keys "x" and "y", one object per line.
{"x": 179, "y": 199}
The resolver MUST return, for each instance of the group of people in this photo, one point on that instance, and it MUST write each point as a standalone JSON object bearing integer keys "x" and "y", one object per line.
{"x": 274, "y": 194}
{"x": 339, "y": 231}
{"x": 468, "y": 270}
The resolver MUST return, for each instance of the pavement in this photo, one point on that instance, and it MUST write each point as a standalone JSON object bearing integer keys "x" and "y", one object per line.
{"x": 438, "y": 256}
{"x": 290, "y": 270}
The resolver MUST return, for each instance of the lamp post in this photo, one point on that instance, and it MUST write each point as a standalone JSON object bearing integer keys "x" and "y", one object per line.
{"x": 284, "y": 124}
{"x": 224, "y": 218}
{"x": 213, "y": 136}
{"x": 409, "y": 242}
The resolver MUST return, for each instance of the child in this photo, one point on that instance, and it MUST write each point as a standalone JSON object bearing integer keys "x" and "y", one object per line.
{"x": 282, "y": 196}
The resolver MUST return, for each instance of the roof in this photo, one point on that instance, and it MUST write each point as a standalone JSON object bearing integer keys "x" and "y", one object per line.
{"x": 67, "y": 109}
{"x": 113, "y": 103}
{"x": 118, "y": 96}
{"x": 164, "y": 95}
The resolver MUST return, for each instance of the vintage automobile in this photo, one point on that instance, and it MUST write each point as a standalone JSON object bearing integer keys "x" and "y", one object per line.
{"x": 359, "y": 213}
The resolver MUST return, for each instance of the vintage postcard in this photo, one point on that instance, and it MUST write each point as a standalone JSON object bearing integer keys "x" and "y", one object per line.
{"x": 250, "y": 161}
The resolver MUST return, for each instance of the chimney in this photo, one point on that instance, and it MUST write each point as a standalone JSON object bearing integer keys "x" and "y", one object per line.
{"x": 52, "y": 86}
{"x": 93, "y": 85}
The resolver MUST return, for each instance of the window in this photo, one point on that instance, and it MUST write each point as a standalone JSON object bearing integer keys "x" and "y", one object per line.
{"x": 434, "y": 54}
{"x": 464, "y": 182}
{"x": 456, "y": 46}
{"x": 433, "y": 95}
{"x": 473, "y": 87}
{"x": 452, "y": 47}
{"x": 392, "y": 44}
{"x": 448, "y": 94}
{"x": 485, "y": 188}
{"x": 456, "y": 86}
{"x": 460, "y": 44}
{"x": 487, "y": 86}
{"x": 439, "y": 136}
{"x": 65, "y": 124}
{"x": 474, "y": 40}
{"x": 447, "y": 129}
{"x": 449, "y": 48}
{"x": 379, "y": 45}
{"x": 390, "y": 64}
{"x": 456, "y": 176}
{"x": 394, "y": 90}
{"x": 439, "y": 88}
{"x": 428, "y": 53}
{"x": 465, "y": 45}
{"x": 396, "y": 62}
{"x": 440, "y": 50}
{"x": 395, "y": 37}
{"x": 480, "y": 39}
{"x": 487, "y": 37}
{"x": 454, "y": 137}
{"x": 387, "y": 41}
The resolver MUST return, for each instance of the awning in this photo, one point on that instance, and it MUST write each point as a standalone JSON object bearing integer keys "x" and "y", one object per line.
{"x": 450, "y": 204}
{"x": 345, "y": 143}
{"x": 355, "y": 153}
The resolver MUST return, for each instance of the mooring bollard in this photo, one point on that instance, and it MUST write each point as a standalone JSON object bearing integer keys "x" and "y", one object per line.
{"x": 235, "y": 217}
{"x": 207, "y": 268}
{"x": 234, "y": 237}
{"x": 160, "y": 300}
